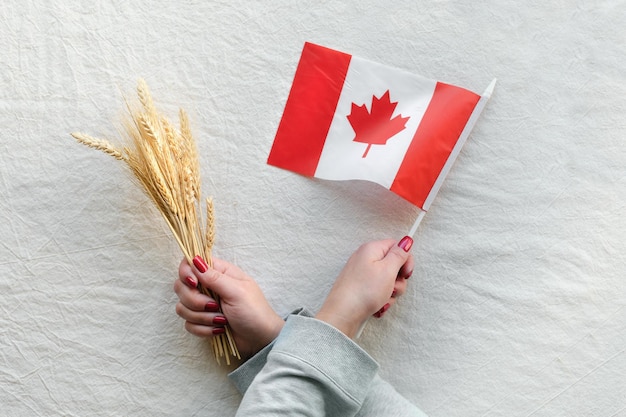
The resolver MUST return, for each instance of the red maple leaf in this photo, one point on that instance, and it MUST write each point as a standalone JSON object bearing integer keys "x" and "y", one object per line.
{"x": 376, "y": 127}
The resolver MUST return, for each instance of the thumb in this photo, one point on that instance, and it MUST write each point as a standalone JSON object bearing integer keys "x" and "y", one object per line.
{"x": 210, "y": 278}
{"x": 399, "y": 254}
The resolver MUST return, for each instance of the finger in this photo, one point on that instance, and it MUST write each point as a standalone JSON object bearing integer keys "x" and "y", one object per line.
{"x": 229, "y": 269}
{"x": 190, "y": 315}
{"x": 213, "y": 279}
{"x": 203, "y": 331}
{"x": 406, "y": 270}
{"x": 399, "y": 288}
{"x": 384, "y": 308}
{"x": 398, "y": 254}
{"x": 185, "y": 274}
{"x": 200, "y": 317}
{"x": 181, "y": 285}
{"x": 375, "y": 250}
{"x": 189, "y": 274}
{"x": 194, "y": 299}
{"x": 390, "y": 303}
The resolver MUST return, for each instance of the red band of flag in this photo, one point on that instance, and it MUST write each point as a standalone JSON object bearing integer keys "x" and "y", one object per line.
{"x": 308, "y": 113}
{"x": 446, "y": 116}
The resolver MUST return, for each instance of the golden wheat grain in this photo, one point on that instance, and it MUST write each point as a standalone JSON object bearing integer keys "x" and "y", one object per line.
{"x": 190, "y": 149}
{"x": 147, "y": 131}
{"x": 173, "y": 141}
{"x": 145, "y": 98}
{"x": 209, "y": 239}
{"x": 185, "y": 127}
{"x": 99, "y": 144}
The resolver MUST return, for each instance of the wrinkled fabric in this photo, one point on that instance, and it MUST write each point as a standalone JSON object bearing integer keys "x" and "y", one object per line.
{"x": 516, "y": 306}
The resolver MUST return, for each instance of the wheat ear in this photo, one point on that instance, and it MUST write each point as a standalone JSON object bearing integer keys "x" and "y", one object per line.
{"x": 99, "y": 144}
{"x": 209, "y": 239}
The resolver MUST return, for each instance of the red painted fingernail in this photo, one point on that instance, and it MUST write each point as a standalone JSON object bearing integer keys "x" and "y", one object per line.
{"x": 406, "y": 243}
{"x": 382, "y": 311}
{"x": 191, "y": 282}
{"x": 200, "y": 264}
{"x": 212, "y": 307}
{"x": 218, "y": 330}
{"x": 220, "y": 320}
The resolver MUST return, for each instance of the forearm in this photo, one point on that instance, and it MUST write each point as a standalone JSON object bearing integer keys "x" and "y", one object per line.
{"x": 380, "y": 399}
{"x": 312, "y": 369}
{"x": 383, "y": 400}
{"x": 243, "y": 376}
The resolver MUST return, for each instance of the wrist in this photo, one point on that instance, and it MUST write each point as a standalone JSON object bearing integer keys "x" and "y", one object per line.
{"x": 345, "y": 324}
{"x": 273, "y": 328}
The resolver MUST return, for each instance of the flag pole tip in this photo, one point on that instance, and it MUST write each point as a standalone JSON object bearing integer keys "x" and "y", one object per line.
{"x": 490, "y": 88}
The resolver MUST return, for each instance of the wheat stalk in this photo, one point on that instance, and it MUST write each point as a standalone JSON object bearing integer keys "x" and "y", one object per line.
{"x": 166, "y": 164}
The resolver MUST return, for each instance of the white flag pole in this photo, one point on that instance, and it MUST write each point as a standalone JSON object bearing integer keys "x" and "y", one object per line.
{"x": 420, "y": 216}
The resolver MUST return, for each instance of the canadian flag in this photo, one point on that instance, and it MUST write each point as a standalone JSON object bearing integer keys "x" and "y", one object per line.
{"x": 349, "y": 118}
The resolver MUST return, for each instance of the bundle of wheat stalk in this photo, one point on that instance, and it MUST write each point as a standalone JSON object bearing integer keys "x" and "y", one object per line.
{"x": 165, "y": 161}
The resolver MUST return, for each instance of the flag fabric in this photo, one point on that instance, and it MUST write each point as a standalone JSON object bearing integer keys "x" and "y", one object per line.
{"x": 349, "y": 118}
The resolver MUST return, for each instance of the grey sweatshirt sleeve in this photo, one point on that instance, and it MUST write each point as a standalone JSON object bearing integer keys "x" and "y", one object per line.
{"x": 383, "y": 400}
{"x": 312, "y": 369}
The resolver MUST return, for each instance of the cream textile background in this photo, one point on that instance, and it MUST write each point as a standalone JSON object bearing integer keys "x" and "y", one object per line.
{"x": 517, "y": 303}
